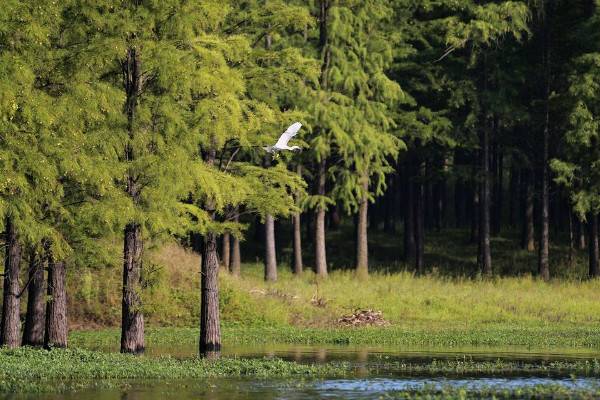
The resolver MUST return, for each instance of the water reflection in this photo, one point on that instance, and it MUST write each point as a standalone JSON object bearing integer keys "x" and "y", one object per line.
{"x": 260, "y": 389}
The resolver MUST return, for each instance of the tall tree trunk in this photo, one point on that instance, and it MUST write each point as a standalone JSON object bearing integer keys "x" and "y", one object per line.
{"x": 269, "y": 238}
{"x": 57, "y": 327}
{"x": 528, "y": 237}
{"x": 132, "y": 318}
{"x": 320, "y": 254}
{"x": 210, "y": 323}
{"x": 409, "y": 214}
{"x": 226, "y": 250}
{"x": 571, "y": 240}
{"x": 10, "y": 326}
{"x": 543, "y": 261}
{"x": 498, "y": 191}
{"x": 33, "y": 332}
{"x": 420, "y": 221}
{"x": 438, "y": 199}
{"x": 362, "y": 246}
{"x": 298, "y": 265}
{"x": 594, "y": 270}
{"x": 485, "y": 256}
{"x": 210, "y": 328}
{"x": 580, "y": 235}
{"x": 270, "y": 256}
{"x": 236, "y": 260}
{"x": 475, "y": 209}
{"x": 514, "y": 194}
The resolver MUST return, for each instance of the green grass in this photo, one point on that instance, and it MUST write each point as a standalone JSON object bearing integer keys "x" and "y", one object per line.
{"x": 540, "y": 337}
{"x": 434, "y": 309}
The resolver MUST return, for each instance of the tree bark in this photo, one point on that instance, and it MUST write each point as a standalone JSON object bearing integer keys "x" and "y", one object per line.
{"x": 498, "y": 191}
{"x": 132, "y": 318}
{"x": 594, "y": 253}
{"x": 475, "y": 210}
{"x": 270, "y": 256}
{"x": 409, "y": 215}
{"x": 298, "y": 235}
{"x": 236, "y": 260}
{"x": 419, "y": 214}
{"x": 210, "y": 322}
{"x": 528, "y": 237}
{"x": 543, "y": 260}
{"x": 57, "y": 328}
{"x": 362, "y": 246}
{"x": 33, "y": 332}
{"x": 226, "y": 250}
{"x": 210, "y": 328}
{"x": 485, "y": 257}
{"x": 10, "y": 326}
{"x": 320, "y": 252}
{"x": 571, "y": 239}
{"x": 580, "y": 235}
{"x": 514, "y": 196}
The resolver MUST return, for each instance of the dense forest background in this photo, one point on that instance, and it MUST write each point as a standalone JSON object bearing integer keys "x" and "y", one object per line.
{"x": 461, "y": 127}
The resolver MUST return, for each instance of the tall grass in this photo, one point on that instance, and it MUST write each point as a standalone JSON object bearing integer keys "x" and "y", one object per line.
{"x": 433, "y": 301}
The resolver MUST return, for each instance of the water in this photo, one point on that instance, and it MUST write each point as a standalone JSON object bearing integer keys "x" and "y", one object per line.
{"x": 374, "y": 377}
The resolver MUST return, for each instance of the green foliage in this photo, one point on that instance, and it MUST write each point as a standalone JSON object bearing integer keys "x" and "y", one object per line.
{"x": 34, "y": 370}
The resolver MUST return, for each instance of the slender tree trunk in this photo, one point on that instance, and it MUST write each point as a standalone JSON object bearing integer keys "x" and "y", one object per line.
{"x": 594, "y": 255}
{"x": 210, "y": 328}
{"x": 475, "y": 210}
{"x": 57, "y": 327}
{"x": 409, "y": 215}
{"x": 362, "y": 246}
{"x": 528, "y": 238}
{"x": 270, "y": 256}
{"x": 320, "y": 254}
{"x": 498, "y": 192}
{"x": 580, "y": 235}
{"x": 485, "y": 257}
{"x": 543, "y": 261}
{"x": 226, "y": 250}
{"x": 438, "y": 200}
{"x": 210, "y": 323}
{"x": 33, "y": 332}
{"x": 298, "y": 265}
{"x": 132, "y": 318}
{"x": 236, "y": 260}
{"x": 513, "y": 200}
{"x": 10, "y": 326}
{"x": 571, "y": 240}
{"x": 420, "y": 221}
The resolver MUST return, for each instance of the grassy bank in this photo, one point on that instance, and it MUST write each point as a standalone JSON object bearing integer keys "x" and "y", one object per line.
{"x": 434, "y": 309}
{"x": 537, "y": 337}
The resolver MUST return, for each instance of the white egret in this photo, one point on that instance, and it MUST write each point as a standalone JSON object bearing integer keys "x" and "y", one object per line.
{"x": 282, "y": 143}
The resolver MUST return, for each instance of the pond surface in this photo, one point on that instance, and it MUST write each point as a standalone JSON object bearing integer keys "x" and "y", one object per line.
{"x": 374, "y": 376}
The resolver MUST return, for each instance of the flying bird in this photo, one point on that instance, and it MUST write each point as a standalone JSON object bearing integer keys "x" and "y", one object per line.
{"x": 282, "y": 143}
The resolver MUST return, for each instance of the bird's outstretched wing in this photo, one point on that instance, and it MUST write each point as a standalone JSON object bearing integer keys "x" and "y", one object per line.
{"x": 288, "y": 134}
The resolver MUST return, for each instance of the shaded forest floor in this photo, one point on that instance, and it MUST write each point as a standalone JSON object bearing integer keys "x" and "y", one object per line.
{"x": 450, "y": 305}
